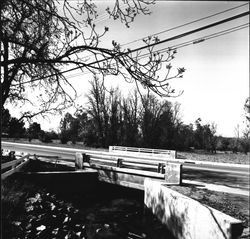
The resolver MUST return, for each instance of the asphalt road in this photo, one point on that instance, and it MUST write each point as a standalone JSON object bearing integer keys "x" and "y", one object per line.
{"x": 230, "y": 175}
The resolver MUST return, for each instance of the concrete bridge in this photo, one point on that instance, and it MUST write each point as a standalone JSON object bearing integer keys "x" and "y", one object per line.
{"x": 185, "y": 217}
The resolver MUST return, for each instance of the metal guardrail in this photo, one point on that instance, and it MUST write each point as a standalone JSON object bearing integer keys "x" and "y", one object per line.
{"x": 135, "y": 150}
{"x": 125, "y": 169}
{"x": 124, "y": 162}
{"x": 15, "y": 165}
{"x": 119, "y": 161}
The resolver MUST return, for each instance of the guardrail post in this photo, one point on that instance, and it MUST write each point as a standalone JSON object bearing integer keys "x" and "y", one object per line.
{"x": 12, "y": 155}
{"x": 173, "y": 173}
{"x": 78, "y": 161}
{"x": 119, "y": 163}
{"x": 160, "y": 168}
{"x": 173, "y": 154}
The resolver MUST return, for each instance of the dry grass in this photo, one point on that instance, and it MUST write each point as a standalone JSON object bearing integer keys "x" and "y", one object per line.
{"x": 220, "y": 157}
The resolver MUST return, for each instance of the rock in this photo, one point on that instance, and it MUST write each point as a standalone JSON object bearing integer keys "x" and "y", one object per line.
{"x": 246, "y": 233}
{"x": 29, "y": 208}
{"x": 76, "y": 211}
{"x": 16, "y": 223}
{"x": 78, "y": 234}
{"x": 52, "y": 206}
{"x": 41, "y": 228}
{"x": 29, "y": 226}
{"x": 134, "y": 235}
{"x": 67, "y": 236}
{"x": 31, "y": 200}
{"x": 70, "y": 208}
{"x": 66, "y": 220}
{"x": 55, "y": 231}
{"x": 213, "y": 198}
{"x": 107, "y": 226}
{"x": 97, "y": 230}
{"x": 32, "y": 219}
{"x": 46, "y": 233}
{"x": 143, "y": 235}
{"x": 38, "y": 197}
{"x": 103, "y": 233}
{"x": 41, "y": 215}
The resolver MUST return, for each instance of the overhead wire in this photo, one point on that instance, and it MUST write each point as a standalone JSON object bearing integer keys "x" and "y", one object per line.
{"x": 154, "y": 44}
{"x": 179, "y": 26}
{"x": 200, "y": 39}
{"x": 186, "y": 24}
{"x": 184, "y": 44}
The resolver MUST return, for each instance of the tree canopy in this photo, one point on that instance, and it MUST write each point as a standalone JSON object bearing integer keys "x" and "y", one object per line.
{"x": 42, "y": 40}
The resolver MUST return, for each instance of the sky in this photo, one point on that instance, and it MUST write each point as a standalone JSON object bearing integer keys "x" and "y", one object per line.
{"x": 216, "y": 82}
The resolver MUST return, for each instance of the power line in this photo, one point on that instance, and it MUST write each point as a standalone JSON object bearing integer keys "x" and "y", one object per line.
{"x": 173, "y": 28}
{"x": 153, "y": 44}
{"x": 200, "y": 39}
{"x": 186, "y": 24}
{"x": 169, "y": 39}
{"x": 191, "y": 32}
{"x": 184, "y": 44}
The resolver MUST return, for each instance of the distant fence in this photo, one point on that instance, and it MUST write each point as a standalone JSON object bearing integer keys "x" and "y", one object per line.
{"x": 145, "y": 151}
{"x": 13, "y": 166}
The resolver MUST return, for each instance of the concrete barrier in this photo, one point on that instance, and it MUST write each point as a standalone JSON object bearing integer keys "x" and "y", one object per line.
{"x": 187, "y": 218}
{"x": 173, "y": 173}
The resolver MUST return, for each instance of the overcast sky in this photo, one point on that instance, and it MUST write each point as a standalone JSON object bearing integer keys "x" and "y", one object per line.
{"x": 216, "y": 82}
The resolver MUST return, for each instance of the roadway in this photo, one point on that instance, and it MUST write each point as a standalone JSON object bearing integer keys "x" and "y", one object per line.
{"x": 229, "y": 175}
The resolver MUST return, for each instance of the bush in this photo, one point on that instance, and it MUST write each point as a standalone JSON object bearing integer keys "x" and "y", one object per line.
{"x": 45, "y": 137}
{"x": 244, "y": 145}
{"x": 64, "y": 137}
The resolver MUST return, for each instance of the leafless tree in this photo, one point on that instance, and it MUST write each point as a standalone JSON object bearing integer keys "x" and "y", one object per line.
{"x": 131, "y": 108}
{"x": 43, "y": 40}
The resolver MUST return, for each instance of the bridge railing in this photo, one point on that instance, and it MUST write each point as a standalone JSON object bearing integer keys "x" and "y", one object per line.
{"x": 145, "y": 151}
{"x": 13, "y": 166}
{"x": 171, "y": 171}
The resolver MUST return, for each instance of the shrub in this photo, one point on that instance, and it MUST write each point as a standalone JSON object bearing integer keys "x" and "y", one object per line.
{"x": 45, "y": 137}
{"x": 64, "y": 137}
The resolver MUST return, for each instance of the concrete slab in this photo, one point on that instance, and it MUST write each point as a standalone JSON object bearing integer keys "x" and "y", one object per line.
{"x": 187, "y": 218}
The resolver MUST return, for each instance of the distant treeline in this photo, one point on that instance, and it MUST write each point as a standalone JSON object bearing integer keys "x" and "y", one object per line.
{"x": 135, "y": 120}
